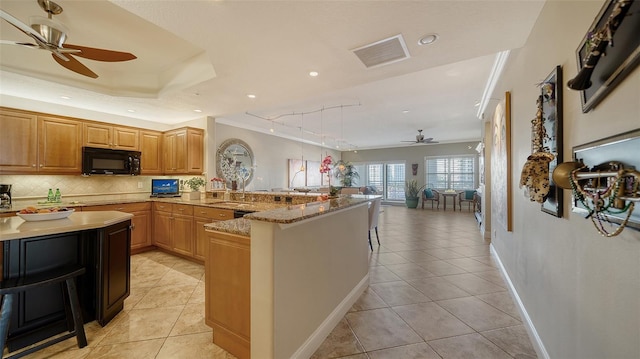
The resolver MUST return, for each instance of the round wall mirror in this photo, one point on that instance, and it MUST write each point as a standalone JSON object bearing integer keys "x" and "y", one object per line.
{"x": 234, "y": 161}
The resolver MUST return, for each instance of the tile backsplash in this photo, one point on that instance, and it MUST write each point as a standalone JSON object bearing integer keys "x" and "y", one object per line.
{"x": 36, "y": 187}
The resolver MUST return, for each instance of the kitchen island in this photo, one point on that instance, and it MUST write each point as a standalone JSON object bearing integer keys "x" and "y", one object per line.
{"x": 99, "y": 241}
{"x": 295, "y": 272}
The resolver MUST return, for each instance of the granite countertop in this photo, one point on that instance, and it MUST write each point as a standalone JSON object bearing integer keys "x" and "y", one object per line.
{"x": 204, "y": 202}
{"x": 17, "y": 228}
{"x": 239, "y": 226}
{"x": 295, "y": 213}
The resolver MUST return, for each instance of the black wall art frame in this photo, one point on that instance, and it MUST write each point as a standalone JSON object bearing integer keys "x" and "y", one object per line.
{"x": 552, "y": 121}
{"x": 618, "y": 60}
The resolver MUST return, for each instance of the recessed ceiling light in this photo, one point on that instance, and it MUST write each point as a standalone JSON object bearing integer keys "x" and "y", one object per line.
{"x": 428, "y": 39}
{"x": 65, "y": 97}
{"x": 130, "y": 110}
{"x": 405, "y": 111}
{"x": 198, "y": 111}
{"x": 476, "y": 104}
{"x": 251, "y": 95}
{"x": 313, "y": 73}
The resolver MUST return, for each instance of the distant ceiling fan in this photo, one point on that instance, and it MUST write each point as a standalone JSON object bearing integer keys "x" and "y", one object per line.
{"x": 50, "y": 35}
{"x": 420, "y": 139}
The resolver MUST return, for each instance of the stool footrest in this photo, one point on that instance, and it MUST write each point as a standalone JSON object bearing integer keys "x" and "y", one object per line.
{"x": 40, "y": 279}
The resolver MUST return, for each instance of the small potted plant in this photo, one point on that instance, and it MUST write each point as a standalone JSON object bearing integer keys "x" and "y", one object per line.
{"x": 411, "y": 193}
{"x": 195, "y": 183}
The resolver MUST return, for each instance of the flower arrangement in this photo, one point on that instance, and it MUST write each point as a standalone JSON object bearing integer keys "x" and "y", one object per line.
{"x": 217, "y": 182}
{"x": 325, "y": 165}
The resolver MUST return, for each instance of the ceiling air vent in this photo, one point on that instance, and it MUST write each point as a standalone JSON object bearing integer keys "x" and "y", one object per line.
{"x": 383, "y": 52}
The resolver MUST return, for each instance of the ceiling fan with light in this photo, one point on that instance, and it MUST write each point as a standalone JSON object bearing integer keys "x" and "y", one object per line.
{"x": 420, "y": 139}
{"x": 50, "y": 35}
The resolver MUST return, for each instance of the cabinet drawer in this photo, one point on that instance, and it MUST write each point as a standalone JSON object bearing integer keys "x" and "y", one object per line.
{"x": 213, "y": 213}
{"x": 183, "y": 209}
{"x": 162, "y": 207}
{"x": 122, "y": 207}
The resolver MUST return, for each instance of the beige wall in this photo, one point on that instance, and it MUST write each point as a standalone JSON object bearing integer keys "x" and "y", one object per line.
{"x": 580, "y": 290}
{"x": 413, "y": 154}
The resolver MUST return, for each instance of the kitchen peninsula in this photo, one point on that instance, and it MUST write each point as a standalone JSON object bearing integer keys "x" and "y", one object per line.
{"x": 99, "y": 241}
{"x": 278, "y": 281}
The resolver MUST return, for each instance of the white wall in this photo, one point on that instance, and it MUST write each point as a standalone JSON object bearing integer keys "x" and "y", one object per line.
{"x": 271, "y": 155}
{"x": 581, "y": 290}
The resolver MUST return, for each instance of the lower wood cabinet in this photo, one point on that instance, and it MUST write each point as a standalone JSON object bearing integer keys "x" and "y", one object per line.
{"x": 179, "y": 228}
{"x": 140, "y": 223}
{"x": 228, "y": 292}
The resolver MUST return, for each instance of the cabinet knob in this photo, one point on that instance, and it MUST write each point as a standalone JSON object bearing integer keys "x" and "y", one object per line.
{"x": 41, "y": 165}
{"x": 119, "y": 209}
{"x": 33, "y": 165}
{"x": 133, "y": 226}
{"x": 221, "y": 214}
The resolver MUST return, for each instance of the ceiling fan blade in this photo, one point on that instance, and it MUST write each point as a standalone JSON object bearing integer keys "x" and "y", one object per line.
{"x": 75, "y": 66}
{"x": 25, "y": 44}
{"x": 100, "y": 54}
{"x": 22, "y": 26}
{"x": 428, "y": 139}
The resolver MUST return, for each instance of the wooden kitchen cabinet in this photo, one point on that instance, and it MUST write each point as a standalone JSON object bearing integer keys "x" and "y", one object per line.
{"x": 108, "y": 136}
{"x": 114, "y": 268}
{"x": 140, "y": 223}
{"x": 202, "y": 216}
{"x": 183, "y": 151}
{"x": 151, "y": 152}
{"x": 182, "y": 231}
{"x": 19, "y": 145}
{"x": 59, "y": 145}
{"x": 39, "y": 144}
{"x": 162, "y": 218}
{"x": 228, "y": 292}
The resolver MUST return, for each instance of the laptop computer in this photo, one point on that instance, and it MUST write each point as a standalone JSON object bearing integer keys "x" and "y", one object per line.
{"x": 165, "y": 188}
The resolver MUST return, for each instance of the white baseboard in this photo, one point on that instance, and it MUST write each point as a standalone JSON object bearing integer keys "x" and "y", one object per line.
{"x": 528, "y": 324}
{"x": 314, "y": 341}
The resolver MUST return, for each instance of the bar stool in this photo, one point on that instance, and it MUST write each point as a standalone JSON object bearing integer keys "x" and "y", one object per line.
{"x": 10, "y": 287}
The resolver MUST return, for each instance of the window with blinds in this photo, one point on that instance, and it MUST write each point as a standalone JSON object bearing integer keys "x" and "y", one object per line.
{"x": 456, "y": 172}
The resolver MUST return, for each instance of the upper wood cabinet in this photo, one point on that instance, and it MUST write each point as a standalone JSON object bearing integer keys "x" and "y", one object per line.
{"x": 59, "y": 145}
{"x": 109, "y": 136}
{"x": 183, "y": 151}
{"x": 151, "y": 149}
{"x": 39, "y": 144}
{"x": 19, "y": 144}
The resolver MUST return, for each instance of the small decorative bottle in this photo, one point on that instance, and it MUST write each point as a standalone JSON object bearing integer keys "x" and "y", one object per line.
{"x": 58, "y": 196}
{"x": 50, "y": 196}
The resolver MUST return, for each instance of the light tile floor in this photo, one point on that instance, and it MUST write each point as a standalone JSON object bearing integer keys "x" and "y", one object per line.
{"x": 435, "y": 292}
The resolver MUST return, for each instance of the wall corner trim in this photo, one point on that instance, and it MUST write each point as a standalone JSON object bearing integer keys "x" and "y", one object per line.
{"x": 528, "y": 324}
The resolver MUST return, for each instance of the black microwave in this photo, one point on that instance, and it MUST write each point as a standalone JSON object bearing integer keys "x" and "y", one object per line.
{"x": 103, "y": 161}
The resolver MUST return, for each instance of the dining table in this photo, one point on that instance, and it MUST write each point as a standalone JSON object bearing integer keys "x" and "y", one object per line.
{"x": 449, "y": 194}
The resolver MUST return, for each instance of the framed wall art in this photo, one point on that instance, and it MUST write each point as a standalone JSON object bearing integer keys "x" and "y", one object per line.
{"x": 551, "y": 92}
{"x": 609, "y": 51}
{"x": 501, "y": 191}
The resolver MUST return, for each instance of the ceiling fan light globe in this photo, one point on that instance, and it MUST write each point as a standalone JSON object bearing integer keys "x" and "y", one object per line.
{"x": 54, "y": 32}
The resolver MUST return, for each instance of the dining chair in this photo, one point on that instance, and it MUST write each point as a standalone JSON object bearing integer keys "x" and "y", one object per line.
{"x": 469, "y": 196}
{"x": 432, "y": 195}
{"x": 374, "y": 213}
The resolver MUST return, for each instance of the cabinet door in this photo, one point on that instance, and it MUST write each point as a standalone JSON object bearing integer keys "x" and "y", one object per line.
{"x": 183, "y": 234}
{"x": 141, "y": 229}
{"x": 180, "y": 160}
{"x": 115, "y": 254}
{"x": 200, "y": 244}
{"x": 19, "y": 144}
{"x": 151, "y": 149}
{"x": 97, "y": 135}
{"x": 195, "y": 151}
{"x": 169, "y": 149}
{"x": 126, "y": 138}
{"x": 162, "y": 230}
{"x": 60, "y": 145}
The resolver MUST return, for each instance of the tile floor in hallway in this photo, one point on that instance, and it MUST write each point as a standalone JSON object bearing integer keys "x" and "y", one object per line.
{"x": 435, "y": 292}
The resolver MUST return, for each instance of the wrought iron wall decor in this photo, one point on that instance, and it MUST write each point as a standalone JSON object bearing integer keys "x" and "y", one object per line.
{"x": 604, "y": 182}
{"x": 613, "y": 33}
{"x": 546, "y": 147}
